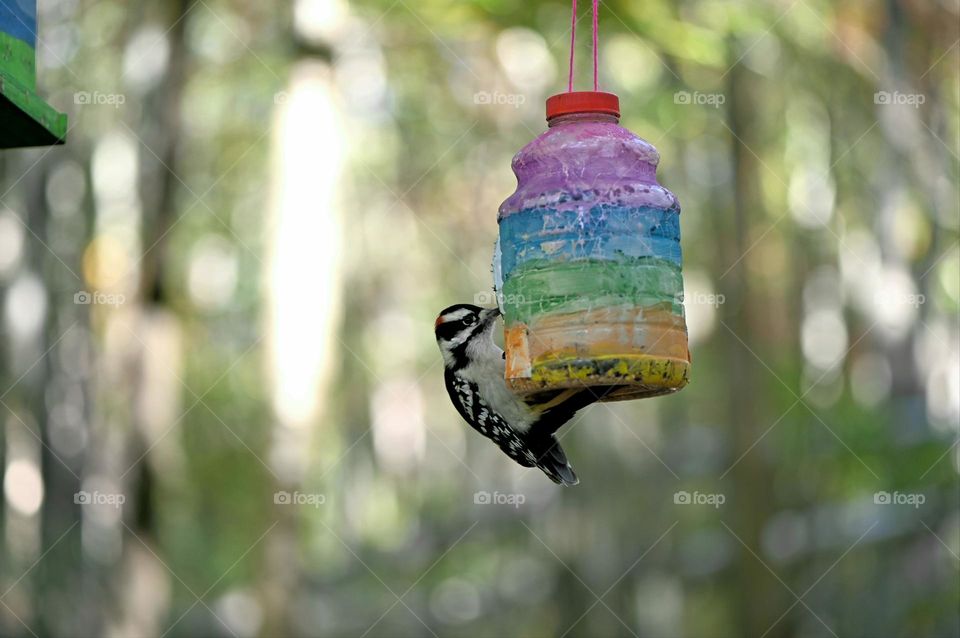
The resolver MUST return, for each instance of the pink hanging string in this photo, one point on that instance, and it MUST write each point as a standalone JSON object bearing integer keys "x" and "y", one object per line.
{"x": 573, "y": 42}
{"x": 596, "y": 29}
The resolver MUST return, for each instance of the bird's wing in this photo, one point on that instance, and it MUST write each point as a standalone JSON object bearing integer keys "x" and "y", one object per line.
{"x": 475, "y": 411}
{"x": 537, "y": 447}
{"x": 461, "y": 395}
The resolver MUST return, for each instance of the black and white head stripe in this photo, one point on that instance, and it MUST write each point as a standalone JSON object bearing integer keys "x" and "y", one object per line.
{"x": 456, "y": 319}
{"x": 458, "y": 327}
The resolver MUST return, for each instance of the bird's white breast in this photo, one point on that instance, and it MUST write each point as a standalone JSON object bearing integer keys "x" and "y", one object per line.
{"x": 486, "y": 370}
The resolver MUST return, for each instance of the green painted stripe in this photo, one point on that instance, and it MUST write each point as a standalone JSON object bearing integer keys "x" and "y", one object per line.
{"x": 18, "y": 61}
{"x": 547, "y": 287}
{"x": 25, "y": 119}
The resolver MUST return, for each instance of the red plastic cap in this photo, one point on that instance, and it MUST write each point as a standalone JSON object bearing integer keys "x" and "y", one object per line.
{"x": 582, "y": 102}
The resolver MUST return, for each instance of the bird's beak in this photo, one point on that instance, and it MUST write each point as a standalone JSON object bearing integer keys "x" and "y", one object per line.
{"x": 489, "y": 314}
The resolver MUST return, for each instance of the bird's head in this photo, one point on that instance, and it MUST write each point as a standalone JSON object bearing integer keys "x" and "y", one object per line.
{"x": 461, "y": 326}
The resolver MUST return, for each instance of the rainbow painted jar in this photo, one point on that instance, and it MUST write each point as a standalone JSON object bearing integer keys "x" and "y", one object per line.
{"x": 587, "y": 265}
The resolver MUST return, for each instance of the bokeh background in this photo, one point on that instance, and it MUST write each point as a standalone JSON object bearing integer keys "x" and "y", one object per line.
{"x": 223, "y": 410}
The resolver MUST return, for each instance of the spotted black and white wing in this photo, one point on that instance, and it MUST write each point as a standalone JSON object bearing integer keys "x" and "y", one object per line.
{"x": 475, "y": 411}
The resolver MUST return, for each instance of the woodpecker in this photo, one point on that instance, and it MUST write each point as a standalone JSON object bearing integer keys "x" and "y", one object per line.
{"x": 474, "y": 374}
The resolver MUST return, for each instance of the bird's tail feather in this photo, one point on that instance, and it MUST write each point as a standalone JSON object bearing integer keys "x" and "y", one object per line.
{"x": 554, "y": 464}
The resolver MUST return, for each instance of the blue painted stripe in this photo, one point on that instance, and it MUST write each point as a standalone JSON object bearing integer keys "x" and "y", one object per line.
{"x": 19, "y": 19}
{"x": 605, "y": 232}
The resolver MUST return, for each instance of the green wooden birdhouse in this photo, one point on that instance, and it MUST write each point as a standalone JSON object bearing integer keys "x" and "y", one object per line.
{"x": 25, "y": 119}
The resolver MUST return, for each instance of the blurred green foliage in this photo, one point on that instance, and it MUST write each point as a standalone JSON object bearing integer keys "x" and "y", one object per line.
{"x": 820, "y": 203}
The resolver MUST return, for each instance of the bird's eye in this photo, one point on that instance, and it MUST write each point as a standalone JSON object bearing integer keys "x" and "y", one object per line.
{"x": 469, "y": 320}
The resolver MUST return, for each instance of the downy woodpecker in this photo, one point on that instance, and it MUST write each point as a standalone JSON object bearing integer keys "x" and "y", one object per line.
{"x": 474, "y": 373}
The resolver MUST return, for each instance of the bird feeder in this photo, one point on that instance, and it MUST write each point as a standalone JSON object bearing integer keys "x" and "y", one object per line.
{"x": 587, "y": 264}
{"x": 25, "y": 119}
